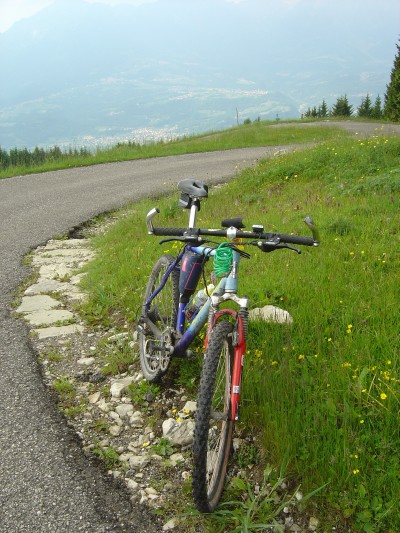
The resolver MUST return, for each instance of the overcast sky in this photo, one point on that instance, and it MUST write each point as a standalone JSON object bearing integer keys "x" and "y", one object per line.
{"x": 13, "y": 10}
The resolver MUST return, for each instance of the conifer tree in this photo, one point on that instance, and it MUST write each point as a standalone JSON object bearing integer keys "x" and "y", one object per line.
{"x": 377, "y": 109}
{"x": 365, "y": 109}
{"x": 342, "y": 108}
{"x": 392, "y": 96}
{"x": 323, "y": 110}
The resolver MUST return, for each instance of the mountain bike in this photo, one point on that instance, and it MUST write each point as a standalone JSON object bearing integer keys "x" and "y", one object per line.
{"x": 173, "y": 315}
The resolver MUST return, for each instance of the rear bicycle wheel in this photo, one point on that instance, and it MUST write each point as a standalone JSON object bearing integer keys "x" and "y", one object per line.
{"x": 162, "y": 313}
{"x": 213, "y": 429}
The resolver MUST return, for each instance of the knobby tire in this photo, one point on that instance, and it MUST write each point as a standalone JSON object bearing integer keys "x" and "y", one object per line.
{"x": 213, "y": 429}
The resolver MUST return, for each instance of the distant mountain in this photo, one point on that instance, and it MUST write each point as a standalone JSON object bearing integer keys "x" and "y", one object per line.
{"x": 81, "y": 73}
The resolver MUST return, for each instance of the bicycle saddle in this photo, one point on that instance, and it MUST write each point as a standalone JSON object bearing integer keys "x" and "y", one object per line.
{"x": 193, "y": 188}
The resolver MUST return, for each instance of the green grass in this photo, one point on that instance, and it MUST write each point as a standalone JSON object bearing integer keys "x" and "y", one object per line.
{"x": 257, "y": 134}
{"x": 325, "y": 392}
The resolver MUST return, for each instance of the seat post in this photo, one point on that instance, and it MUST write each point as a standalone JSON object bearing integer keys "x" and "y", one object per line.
{"x": 193, "y": 212}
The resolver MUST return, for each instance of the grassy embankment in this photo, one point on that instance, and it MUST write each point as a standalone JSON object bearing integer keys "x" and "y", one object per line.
{"x": 257, "y": 134}
{"x": 325, "y": 392}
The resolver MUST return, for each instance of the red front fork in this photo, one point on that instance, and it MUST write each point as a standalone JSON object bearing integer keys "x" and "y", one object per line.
{"x": 239, "y": 349}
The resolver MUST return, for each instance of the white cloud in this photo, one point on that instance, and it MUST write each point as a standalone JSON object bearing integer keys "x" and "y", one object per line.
{"x": 13, "y": 10}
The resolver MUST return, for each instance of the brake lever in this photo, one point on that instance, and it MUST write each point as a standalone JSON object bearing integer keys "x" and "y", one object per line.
{"x": 271, "y": 246}
{"x": 284, "y": 245}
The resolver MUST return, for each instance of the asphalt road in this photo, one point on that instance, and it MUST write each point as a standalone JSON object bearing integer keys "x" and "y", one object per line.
{"x": 46, "y": 483}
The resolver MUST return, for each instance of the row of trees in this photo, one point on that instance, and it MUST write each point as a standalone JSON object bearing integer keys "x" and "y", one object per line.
{"x": 367, "y": 109}
{"x": 39, "y": 156}
{"x": 342, "y": 108}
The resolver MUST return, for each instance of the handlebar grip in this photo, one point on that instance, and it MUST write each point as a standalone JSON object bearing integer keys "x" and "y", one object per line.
{"x": 296, "y": 239}
{"x": 170, "y": 232}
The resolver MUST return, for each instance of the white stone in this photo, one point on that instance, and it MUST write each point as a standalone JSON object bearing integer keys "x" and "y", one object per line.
{"x": 103, "y": 406}
{"x": 77, "y": 278}
{"x": 168, "y": 425}
{"x": 139, "y": 461}
{"x": 143, "y": 498}
{"x": 58, "y": 331}
{"x": 94, "y": 398}
{"x": 179, "y": 433}
{"x": 124, "y": 457}
{"x": 176, "y": 458}
{"x": 39, "y": 302}
{"x": 124, "y": 410}
{"x": 115, "y": 416}
{"x": 270, "y": 313}
{"x": 132, "y": 485}
{"x": 190, "y": 406}
{"x": 46, "y": 285}
{"x": 171, "y": 524}
{"x": 86, "y": 361}
{"x": 136, "y": 420}
{"x": 115, "y": 430}
{"x": 48, "y": 316}
{"x": 54, "y": 271}
{"x": 236, "y": 443}
{"x": 118, "y": 387}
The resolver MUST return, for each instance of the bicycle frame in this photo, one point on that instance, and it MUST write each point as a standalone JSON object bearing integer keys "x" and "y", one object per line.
{"x": 225, "y": 290}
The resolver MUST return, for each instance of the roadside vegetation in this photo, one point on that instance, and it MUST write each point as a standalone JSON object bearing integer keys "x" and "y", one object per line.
{"x": 21, "y": 161}
{"x": 324, "y": 393}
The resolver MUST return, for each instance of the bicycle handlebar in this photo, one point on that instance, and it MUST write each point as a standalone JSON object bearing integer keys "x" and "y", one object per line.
{"x": 193, "y": 234}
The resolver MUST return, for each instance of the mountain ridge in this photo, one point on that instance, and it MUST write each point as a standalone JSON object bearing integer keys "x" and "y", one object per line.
{"x": 79, "y": 71}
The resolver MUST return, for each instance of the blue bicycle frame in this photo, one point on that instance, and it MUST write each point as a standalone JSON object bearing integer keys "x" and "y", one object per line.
{"x": 226, "y": 289}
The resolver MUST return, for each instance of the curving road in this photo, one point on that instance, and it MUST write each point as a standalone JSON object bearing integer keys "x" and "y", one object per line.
{"x": 46, "y": 483}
